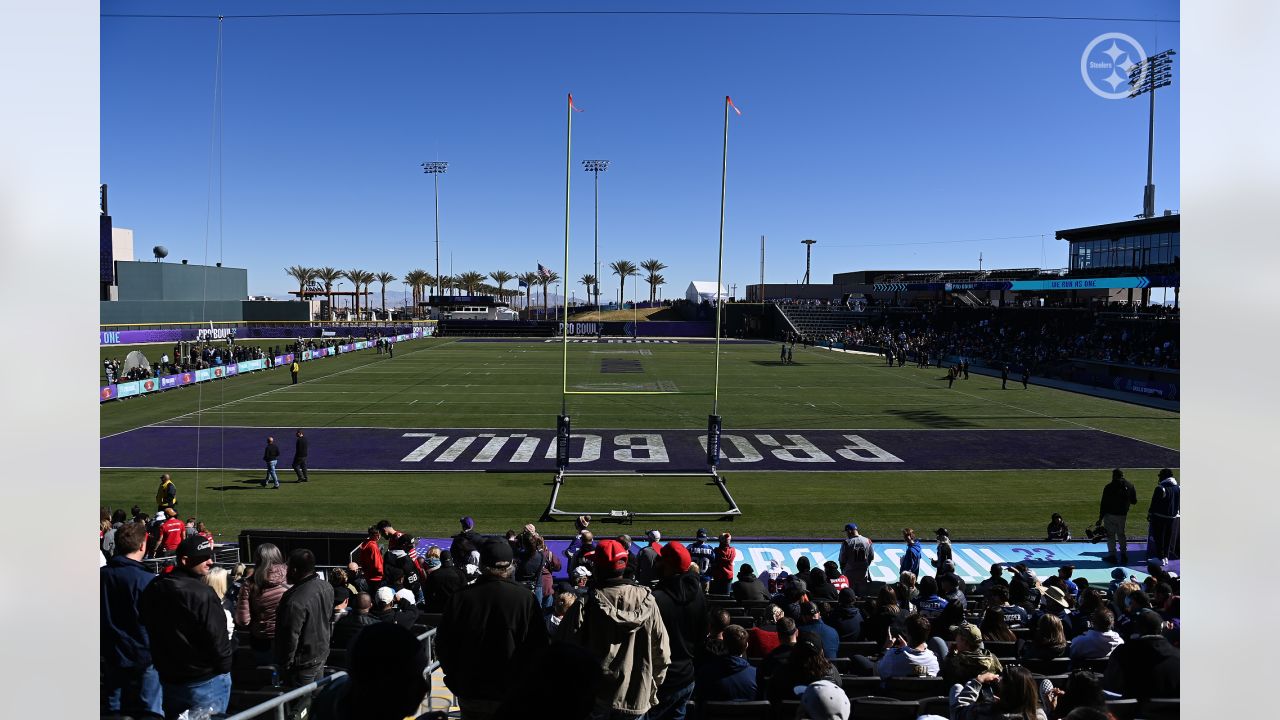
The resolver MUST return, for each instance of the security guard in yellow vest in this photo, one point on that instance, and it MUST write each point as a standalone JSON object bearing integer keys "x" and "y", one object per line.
{"x": 167, "y": 494}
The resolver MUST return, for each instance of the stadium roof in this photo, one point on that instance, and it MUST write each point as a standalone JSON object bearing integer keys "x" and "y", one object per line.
{"x": 1141, "y": 226}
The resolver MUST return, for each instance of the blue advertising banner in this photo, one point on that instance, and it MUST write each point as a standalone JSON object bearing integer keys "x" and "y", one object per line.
{"x": 204, "y": 374}
{"x": 127, "y": 389}
{"x": 251, "y": 365}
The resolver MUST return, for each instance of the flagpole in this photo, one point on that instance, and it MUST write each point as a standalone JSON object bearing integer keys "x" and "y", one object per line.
{"x": 568, "y": 147}
{"x": 724, "y": 171}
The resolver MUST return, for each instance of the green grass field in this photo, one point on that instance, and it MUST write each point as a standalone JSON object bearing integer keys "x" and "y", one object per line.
{"x": 445, "y": 383}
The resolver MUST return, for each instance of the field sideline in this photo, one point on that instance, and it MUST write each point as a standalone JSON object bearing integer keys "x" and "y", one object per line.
{"x": 447, "y": 384}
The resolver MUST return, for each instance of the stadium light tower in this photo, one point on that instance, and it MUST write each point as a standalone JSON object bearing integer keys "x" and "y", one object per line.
{"x": 1153, "y": 72}
{"x": 435, "y": 170}
{"x": 595, "y": 167}
{"x": 808, "y": 249}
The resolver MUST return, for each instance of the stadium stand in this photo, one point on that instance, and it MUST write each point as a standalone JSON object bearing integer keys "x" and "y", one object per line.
{"x": 936, "y": 667}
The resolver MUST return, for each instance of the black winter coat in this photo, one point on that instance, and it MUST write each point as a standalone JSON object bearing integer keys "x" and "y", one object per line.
{"x": 488, "y": 634}
{"x": 187, "y": 628}
{"x": 303, "y": 624}
{"x": 683, "y": 608}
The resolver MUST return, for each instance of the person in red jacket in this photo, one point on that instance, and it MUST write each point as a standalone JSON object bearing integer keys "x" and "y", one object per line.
{"x": 172, "y": 532}
{"x": 369, "y": 557}
{"x": 722, "y": 561}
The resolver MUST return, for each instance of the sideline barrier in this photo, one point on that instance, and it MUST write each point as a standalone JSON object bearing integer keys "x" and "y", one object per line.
{"x": 278, "y": 703}
{"x": 122, "y": 390}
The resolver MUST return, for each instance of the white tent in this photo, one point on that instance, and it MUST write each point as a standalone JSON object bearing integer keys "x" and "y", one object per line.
{"x": 700, "y": 290}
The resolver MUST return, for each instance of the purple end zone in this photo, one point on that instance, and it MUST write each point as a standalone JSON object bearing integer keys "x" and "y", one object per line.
{"x": 505, "y": 450}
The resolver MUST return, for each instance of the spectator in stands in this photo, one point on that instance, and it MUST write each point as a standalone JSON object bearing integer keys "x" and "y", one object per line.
{"x": 886, "y": 619}
{"x": 550, "y": 566}
{"x": 773, "y": 576}
{"x": 1068, "y": 586}
{"x": 1163, "y": 514}
{"x": 398, "y": 556}
{"x": 1055, "y": 602}
{"x": 646, "y": 562}
{"x": 909, "y": 656}
{"x": 944, "y": 563}
{"x": 702, "y": 553}
{"x": 951, "y": 589}
{"x": 385, "y": 681}
{"x": 1048, "y": 642}
{"x": 489, "y": 631}
{"x": 713, "y": 644}
{"x": 130, "y": 684}
{"x": 1015, "y": 697}
{"x": 995, "y": 628}
{"x": 217, "y": 579}
{"x": 723, "y": 558}
{"x": 1117, "y": 497}
{"x": 443, "y": 580}
{"x": 820, "y": 589}
{"x": 825, "y": 700}
{"x": 728, "y": 677}
{"x": 805, "y": 664}
{"x": 396, "y": 539}
{"x": 353, "y": 621}
{"x": 166, "y": 494}
{"x": 762, "y": 637}
{"x": 369, "y": 558}
{"x": 1082, "y": 695}
{"x": 188, "y": 633}
{"x": 930, "y": 603}
{"x": 1145, "y": 666}
{"x": 846, "y": 619}
{"x": 968, "y": 657}
{"x": 256, "y": 605}
{"x": 586, "y": 546}
{"x": 384, "y": 604}
{"x": 748, "y": 587}
{"x": 172, "y": 533}
{"x": 1099, "y": 640}
{"x": 803, "y": 567}
{"x": 857, "y": 554}
{"x": 303, "y": 629}
{"x": 466, "y": 542}
{"x": 1058, "y": 530}
{"x": 811, "y": 622}
{"x": 580, "y": 523}
{"x": 777, "y": 658}
{"x": 560, "y": 606}
{"x": 621, "y": 624}
{"x": 837, "y": 579}
{"x": 911, "y": 558}
{"x": 356, "y": 579}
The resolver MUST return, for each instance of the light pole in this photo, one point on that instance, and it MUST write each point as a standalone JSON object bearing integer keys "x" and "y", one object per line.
{"x": 808, "y": 248}
{"x": 435, "y": 170}
{"x": 1153, "y": 72}
{"x": 595, "y": 167}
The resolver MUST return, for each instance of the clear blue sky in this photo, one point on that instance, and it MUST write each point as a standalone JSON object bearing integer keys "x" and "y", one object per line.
{"x": 871, "y": 135}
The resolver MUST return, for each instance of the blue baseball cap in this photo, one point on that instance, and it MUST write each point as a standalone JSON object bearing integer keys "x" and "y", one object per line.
{"x": 851, "y": 526}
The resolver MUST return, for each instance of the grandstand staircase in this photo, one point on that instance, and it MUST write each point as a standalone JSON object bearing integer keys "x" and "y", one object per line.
{"x": 820, "y": 320}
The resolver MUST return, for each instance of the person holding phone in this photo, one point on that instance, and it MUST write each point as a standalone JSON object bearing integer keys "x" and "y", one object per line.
{"x": 908, "y": 656}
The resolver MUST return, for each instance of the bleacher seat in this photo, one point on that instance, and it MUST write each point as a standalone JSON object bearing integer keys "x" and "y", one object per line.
{"x": 864, "y": 648}
{"x": 916, "y": 688}
{"x": 882, "y": 708}
{"x": 1126, "y": 709}
{"x": 746, "y": 621}
{"x": 1056, "y": 666}
{"x": 430, "y": 619}
{"x": 1161, "y": 709}
{"x": 940, "y": 705}
{"x": 855, "y": 686}
{"x": 1096, "y": 665}
{"x": 1001, "y": 648}
{"x": 748, "y": 710}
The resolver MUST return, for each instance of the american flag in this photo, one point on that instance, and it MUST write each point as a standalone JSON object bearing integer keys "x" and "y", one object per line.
{"x": 543, "y": 272}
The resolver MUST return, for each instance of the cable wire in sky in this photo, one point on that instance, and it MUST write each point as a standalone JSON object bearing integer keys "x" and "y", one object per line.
{"x": 707, "y": 13}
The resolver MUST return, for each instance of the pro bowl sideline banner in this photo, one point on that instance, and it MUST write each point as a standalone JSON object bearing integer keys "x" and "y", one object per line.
{"x": 973, "y": 560}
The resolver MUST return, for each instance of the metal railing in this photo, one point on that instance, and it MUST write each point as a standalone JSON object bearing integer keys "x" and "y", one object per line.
{"x": 278, "y": 704}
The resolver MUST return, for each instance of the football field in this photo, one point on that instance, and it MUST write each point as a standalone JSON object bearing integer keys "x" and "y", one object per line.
{"x": 452, "y": 427}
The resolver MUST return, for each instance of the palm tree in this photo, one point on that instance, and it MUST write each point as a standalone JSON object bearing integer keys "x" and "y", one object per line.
{"x": 655, "y": 280}
{"x": 357, "y": 279}
{"x": 653, "y": 267}
{"x": 529, "y": 279}
{"x": 623, "y": 269}
{"x": 413, "y": 279}
{"x": 328, "y": 276}
{"x": 592, "y": 283}
{"x": 544, "y": 280}
{"x": 384, "y": 277}
{"x": 368, "y": 278}
{"x": 303, "y": 275}
{"x": 502, "y": 277}
{"x": 446, "y": 284}
{"x": 471, "y": 280}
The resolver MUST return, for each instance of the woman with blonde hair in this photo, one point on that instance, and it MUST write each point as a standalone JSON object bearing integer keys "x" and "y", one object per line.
{"x": 1050, "y": 640}
{"x": 217, "y": 579}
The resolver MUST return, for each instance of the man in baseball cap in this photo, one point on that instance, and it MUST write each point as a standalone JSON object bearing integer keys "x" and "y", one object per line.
{"x": 702, "y": 553}
{"x": 683, "y": 607}
{"x": 188, "y": 632}
{"x": 969, "y": 658}
{"x": 824, "y": 700}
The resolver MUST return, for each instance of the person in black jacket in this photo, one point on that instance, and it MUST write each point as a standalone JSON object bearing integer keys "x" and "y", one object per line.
{"x": 1117, "y": 497}
{"x": 1146, "y": 666}
{"x": 683, "y": 607}
{"x": 846, "y": 619}
{"x": 300, "y": 457}
{"x": 188, "y": 632}
{"x": 488, "y": 633}
{"x": 748, "y": 587}
{"x": 130, "y": 684}
{"x": 443, "y": 580}
{"x": 303, "y": 627}
{"x": 271, "y": 456}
